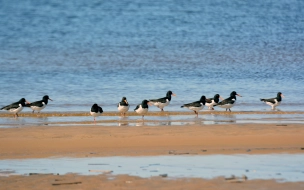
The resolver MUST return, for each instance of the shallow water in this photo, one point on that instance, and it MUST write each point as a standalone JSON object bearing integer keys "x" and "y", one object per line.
{"x": 86, "y": 52}
{"x": 176, "y": 120}
{"x": 283, "y": 167}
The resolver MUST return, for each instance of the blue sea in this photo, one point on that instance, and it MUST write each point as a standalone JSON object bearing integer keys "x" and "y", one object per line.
{"x": 84, "y": 52}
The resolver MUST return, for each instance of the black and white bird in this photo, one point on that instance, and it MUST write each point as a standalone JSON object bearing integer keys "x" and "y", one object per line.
{"x": 96, "y": 111}
{"x": 210, "y": 102}
{"x": 274, "y": 102}
{"x": 229, "y": 102}
{"x": 162, "y": 102}
{"x": 196, "y": 106}
{"x": 16, "y": 107}
{"x": 123, "y": 106}
{"x": 142, "y": 108}
{"x": 39, "y": 105}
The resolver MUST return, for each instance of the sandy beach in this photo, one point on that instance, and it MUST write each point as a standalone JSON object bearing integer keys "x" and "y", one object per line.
{"x": 96, "y": 141}
{"x": 83, "y": 141}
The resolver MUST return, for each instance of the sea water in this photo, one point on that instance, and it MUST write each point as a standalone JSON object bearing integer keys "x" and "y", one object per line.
{"x": 84, "y": 52}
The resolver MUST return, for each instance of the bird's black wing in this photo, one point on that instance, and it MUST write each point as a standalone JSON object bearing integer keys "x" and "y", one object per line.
{"x": 11, "y": 106}
{"x": 37, "y": 103}
{"x": 227, "y": 101}
{"x": 137, "y": 107}
{"x": 193, "y": 104}
{"x": 272, "y": 100}
{"x": 161, "y": 100}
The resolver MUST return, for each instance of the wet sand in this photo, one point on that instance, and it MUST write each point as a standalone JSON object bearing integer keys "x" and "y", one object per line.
{"x": 73, "y": 181}
{"x": 97, "y": 141}
{"x": 84, "y": 141}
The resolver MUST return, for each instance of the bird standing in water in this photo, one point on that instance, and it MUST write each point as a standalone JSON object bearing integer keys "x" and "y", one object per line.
{"x": 142, "y": 108}
{"x": 196, "y": 106}
{"x": 229, "y": 102}
{"x": 123, "y": 106}
{"x": 162, "y": 102}
{"x": 16, "y": 107}
{"x": 274, "y": 102}
{"x": 39, "y": 105}
{"x": 96, "y": 111}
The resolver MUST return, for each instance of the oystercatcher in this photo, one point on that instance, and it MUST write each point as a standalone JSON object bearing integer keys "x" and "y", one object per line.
{"x": 210, "y": 102}
{"x": 229, "y": 102}
{"x": 123, "y": 106}
{"x": 39, "y": 105}
{"x": 142, "y": 108}
{"x": 162, "y": 102}
{"x": 16, "y": 107}
{"x": 196, "y": 106}
{"x": 96, "y": 111}
{"x": 274, "y": 102}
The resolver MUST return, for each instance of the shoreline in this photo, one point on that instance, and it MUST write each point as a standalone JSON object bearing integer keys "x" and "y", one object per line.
{"x": 150, "y": 113}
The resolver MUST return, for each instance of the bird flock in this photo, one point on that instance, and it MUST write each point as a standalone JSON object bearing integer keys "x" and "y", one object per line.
{"x": 17, "y": 107}
{"x": 123, "y": 106}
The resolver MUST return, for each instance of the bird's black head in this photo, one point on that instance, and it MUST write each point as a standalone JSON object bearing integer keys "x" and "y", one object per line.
{"x": 234, "y": 94}
{"x": 144, "y": 104}
{"x": 46, "y": 98}
{"x": 203, "y": 99}
{"x": 279, "y": 96}
{"x": 22, "y": 101}
{"x": 124, "y": 101}
{"x": 169, "y": 94}
{"x": 216, "y": 98}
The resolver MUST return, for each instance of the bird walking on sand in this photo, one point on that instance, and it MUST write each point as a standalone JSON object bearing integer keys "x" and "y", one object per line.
{"x": 196, "y": 106}
{"x": 274, "y": 102}
{"x": 123, "y": 106}
{"x": 16, "y": 107}
{"x": 229, "y": 102}
{"x": 96, "y": 111}
{"x": 162, "y": 102}
{"x": 142, "y": 108}
{"x": 210, "y": 102}
{"x": 39, "y": 105}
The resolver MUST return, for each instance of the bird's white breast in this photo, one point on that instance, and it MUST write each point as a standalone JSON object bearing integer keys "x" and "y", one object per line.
{"x": 141, "y": 110}
{"x": 123, "y": 108}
